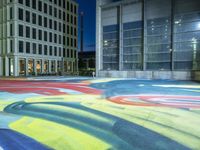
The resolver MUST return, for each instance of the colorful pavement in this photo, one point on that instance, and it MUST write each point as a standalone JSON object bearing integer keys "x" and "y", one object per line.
{"x": 99, "y": 114}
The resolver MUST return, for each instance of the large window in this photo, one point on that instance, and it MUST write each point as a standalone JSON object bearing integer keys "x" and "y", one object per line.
{"x": 22, "y": 67}
{"x": 132, "y": 36}
{"x": 158, "y": 35}
{"x": 110, "y": 23}
{"x": 187, "y": 35}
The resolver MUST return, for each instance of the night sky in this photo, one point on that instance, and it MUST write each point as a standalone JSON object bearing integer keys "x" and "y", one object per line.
{"x": 89, "y": 9}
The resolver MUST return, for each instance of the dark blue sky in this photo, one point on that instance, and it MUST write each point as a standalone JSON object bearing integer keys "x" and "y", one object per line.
{"x": 89, "y": 9}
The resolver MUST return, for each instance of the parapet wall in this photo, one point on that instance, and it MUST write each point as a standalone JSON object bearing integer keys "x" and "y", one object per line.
{"x": 174, "y": 75}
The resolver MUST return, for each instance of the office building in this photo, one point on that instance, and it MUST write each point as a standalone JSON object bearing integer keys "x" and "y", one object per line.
{"x": 38, "y": 37}
{"x": 148, "y": 38}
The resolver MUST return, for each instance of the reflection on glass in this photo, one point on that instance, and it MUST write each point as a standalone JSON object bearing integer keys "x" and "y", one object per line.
{"x": 30, "y": 66}
{"x": 22, "y": 67}
{"x": 38, "y": 66}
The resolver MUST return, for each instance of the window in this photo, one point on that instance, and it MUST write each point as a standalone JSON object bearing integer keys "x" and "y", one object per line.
{"x": 60, "y": 27}
{"x": 45, "y": 22}
{"x": 75, "y": 9}
{"x": 59, "y": 3}
{"x": 45, "y": 50}
{"x": 50, "y": 23}
{"x": 68, "y": 5}
{"x": 64, "y": 16}
{"x": 34, "y": 33}
{"x": 64, "y": 31}
{"x": 60, "y": 39}
{"x": 67, "y": 41}
{"x": 11, "y": 46}
{"x": 50, "y": 37}
{"x": 20, "y": 14}
{"x": 75, "y": 22}
{"x": 28, "y": 32}
{"x": 72, "y": 19}
{"x": 45, "y": 8}
{"x": 50, "y": 51}
{"x": 55, "y": 12}
{"x": 45, "y": 36}
{"x": 34, "y": 47}
{"x": 71, "y": 30}
{"x": 28, "y": 47}
{"x": 158, "y": 36}
{"x": 11, "y": 13}
{"x": 39, "y": 5}
{"x": 50, "y": 10}
{"x": 72, "y": 42}
{"x": 64, "y": 42}
{"x": 60, "y": 52}
{"x": 67, "y": 29}
{"x": 55, "y": 25}
{"x": 55, "y": 51}
{"x": 21, "y": 46}
{"x": 75, "y": 32}
{"x": 21, "y": 30}
{"x": 64, "y": 4}
{"x": 64, "y": 52}
{"x": 72, "y": 8}
{"x": 40, "y": 20}
{"x": 75, "y": 43}
{"x": 40, "y": 48}
{"x": 40, "y": 34}
{"x": 27, "y": 16}
{"x": 34, "y": 4}
{"x": 33, "y": 18}
{"x": 68, "y": 53}
{"x": 60, "y": 14}
{"x": 11, "y": 30}
{"x": 55, "y": 38}
{"x": 21, "y": 1}
{"x": 68, "y": 18}
{"x": 27, "y": 3}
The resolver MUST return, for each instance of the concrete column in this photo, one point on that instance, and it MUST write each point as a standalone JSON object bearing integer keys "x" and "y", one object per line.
{"x": 42, "y": 66}
{"x": 120, "y": 10}
{"x": 26, "y": 66}
{"x": 144, "y": 35}
{"x": 56, "y": 66}
{"x": 6, "y": 66}
{"x": 16, "y": 66}
{"x": 49, "y": 67}
{"x": 1, "y": 66}
{"x": 34, "y": 65}
{"x": 99, "y": 38}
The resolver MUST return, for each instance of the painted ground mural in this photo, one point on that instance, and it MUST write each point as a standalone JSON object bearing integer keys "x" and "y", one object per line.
{"x": 99, "y": 114}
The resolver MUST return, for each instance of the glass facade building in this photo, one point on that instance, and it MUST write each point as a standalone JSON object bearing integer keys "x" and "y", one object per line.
{"x": 148, "y": 35}
{"x": 38, "y": 37}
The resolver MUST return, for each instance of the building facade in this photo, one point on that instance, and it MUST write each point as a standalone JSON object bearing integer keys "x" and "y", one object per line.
{"x": 148, "y": 38}
{"x": 38, "y": 36}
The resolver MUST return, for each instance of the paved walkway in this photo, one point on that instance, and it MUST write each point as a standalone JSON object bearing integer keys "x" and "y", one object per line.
{"x": 97, "y": 114}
